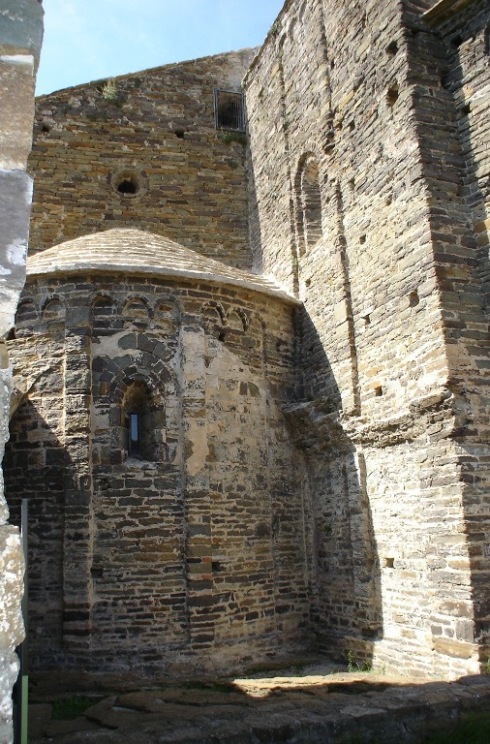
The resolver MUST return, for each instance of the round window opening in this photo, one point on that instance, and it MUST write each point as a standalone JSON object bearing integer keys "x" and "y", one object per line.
{"x": 128, "y": 182}
{"x": 128, "y": 185}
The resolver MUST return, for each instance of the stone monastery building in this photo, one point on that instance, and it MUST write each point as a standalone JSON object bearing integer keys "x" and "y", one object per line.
{"x": 251, "y": 407}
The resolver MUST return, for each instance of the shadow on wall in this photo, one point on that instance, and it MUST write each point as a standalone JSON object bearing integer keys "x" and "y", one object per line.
{"x": 344, "y": 567}
{"x": 36, "y": 468}
{"x": 471, "y": 328}
{"x": 459, "y": 181}
{"x": 344, "y": 586}
{"x": 346, "y": 609}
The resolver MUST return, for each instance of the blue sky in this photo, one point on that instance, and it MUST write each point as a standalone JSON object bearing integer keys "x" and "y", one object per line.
{"x": 91, "y": 39}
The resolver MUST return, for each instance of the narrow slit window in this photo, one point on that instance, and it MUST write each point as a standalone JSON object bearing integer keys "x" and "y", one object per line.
{"x": 134, "y": 434}
{"x": 140, "y": 421}
{"x": 309, "y": 204}
{"x": 229, "y": 110}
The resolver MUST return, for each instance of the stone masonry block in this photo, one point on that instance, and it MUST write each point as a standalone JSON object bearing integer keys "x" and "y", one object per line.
{"x": 15, "y": 198}
{"x": 21, "y": 29}
{"x": 16, "y": 112}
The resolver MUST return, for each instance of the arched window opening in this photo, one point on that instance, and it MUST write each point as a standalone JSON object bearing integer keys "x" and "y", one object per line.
{"x": 309, "y": 202}
{"x": 25, "y": 319}
{"x": 140, "y": 423}
{"x": 214, "y": 320}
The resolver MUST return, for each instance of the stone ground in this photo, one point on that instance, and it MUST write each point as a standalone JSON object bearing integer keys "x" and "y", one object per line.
{"x": 312, "y": 704}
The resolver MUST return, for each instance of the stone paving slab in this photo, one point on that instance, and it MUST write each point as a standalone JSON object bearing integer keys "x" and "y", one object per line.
{"x": 296, "y": 708}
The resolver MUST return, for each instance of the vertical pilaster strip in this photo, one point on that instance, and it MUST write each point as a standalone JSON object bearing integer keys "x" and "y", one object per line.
{"x": 344, "y": 304}
{"x": 79, "y": 520}
{"x": 293, "y": 242}
{"x": 197, "y": 489}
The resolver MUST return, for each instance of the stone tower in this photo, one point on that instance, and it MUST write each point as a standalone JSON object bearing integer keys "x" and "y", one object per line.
{"x": 375, "y": 157}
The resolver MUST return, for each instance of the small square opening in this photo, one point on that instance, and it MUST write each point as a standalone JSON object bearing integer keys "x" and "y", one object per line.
{"x": 229, "y": 110}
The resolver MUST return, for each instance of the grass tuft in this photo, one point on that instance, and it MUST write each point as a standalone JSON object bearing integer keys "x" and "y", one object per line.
{"x": 473, "y": 728}
{"x": 66, "y": 709}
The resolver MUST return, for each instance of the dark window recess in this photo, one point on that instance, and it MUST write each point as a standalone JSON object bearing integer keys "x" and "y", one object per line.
{"x": 229, "y": 110}
{"x": 309, "y": 204}
{"x": 140, "y": 420}
{"x": 128, "y": 181}
{"x": 127, "y": 186}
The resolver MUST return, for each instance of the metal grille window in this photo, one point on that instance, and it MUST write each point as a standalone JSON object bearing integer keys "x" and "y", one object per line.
{"x": 229, "y": 110}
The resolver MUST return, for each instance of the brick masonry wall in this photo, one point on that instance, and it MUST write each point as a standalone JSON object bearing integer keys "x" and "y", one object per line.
{"x": 363, "y": 188}
{"x": 196, "y": 559}
{"x": 156, "y": 126}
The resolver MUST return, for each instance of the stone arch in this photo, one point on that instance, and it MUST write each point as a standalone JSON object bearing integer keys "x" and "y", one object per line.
{"x": 104, "y": 315}
{"x": 136, "y": 313}
{"x": 26, "y": 318}
{"x": 53, "y": 316}
{"x": 256, "y": 331}
{"x": 214, "y": 319}
{"x": 165, "y": 315}
{"x": 237, "y": 319}
{"x": 308, "y": 202}
{"x": 142, "y": 389}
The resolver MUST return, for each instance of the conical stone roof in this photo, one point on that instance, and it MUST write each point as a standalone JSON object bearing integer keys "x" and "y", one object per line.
{"x": 136, "y": 252}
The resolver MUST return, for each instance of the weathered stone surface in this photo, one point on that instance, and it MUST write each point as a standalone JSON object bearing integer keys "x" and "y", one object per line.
{"x": 59, "y": 729}
{"x": 16, "y": 115}
{"x": 21, "y": 28}
{"x": 9, "y": 668}
{"x": 39, "y": 716}
{"x": 11, "y": 572}
{"x": 177, "y": 161}
{"x": 310, "y": 472}
{"x": 364, "y": 159}
{"x": 153, "y": 701}
{"x": 309, "y": 706}
{"x": 15, "y": 199}
{"x": 147, "y": 559}
{"x": 20, "y": 40}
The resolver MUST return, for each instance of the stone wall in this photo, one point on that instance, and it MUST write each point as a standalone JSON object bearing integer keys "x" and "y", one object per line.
{"x": 459, "y": 223}
{"x": 155, "y": 131}
{"x": 20, "y": 40}
{"x": 190, "y": 556}
{"x": 340, "y": 445}
{"x": 361, "y": 158}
